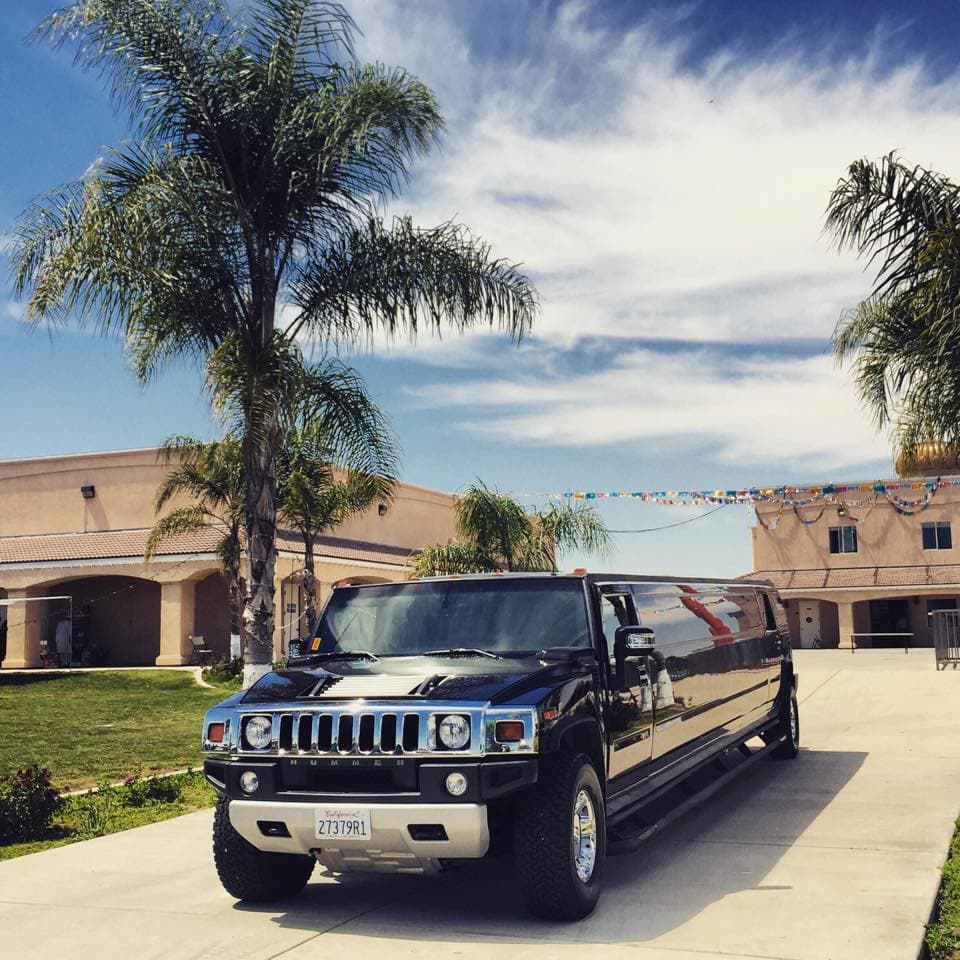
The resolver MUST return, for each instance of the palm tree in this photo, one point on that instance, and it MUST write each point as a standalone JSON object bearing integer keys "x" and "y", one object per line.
{"x": 212, "y": 474}
{"x": 244, "y": 215}
{"x": 903, "y": 340}
{"x": 494, "y": 532}
{"x": 321, "y": 479}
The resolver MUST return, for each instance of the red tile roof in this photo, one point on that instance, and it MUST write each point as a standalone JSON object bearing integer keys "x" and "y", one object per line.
{"x": 853, "y": 577}
{"x": 127, "y": 544}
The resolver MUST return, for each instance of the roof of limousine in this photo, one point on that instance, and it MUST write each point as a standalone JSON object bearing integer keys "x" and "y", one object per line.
{"x": 592, "y": 578}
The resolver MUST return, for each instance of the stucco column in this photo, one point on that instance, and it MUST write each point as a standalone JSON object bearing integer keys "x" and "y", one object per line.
{"x": 845, "y": 623}
{"x": 24, "y": 630}
{"x": 176, "y": 623}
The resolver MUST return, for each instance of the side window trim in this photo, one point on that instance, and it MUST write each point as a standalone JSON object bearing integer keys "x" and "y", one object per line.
{"x": 770, "y": 619}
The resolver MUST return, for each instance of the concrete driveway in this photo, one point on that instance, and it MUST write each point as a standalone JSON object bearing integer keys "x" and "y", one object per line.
{"x": 835, "y": 855}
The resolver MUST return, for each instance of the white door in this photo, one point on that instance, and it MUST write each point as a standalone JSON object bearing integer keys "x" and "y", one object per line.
{"x": 809, "y": 623}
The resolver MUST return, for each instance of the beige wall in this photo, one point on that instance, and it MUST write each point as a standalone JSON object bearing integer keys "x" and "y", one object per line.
{"x": 884, "y": 537}
{"x": 43, "y": 496}
{"x": 167, "y": 601}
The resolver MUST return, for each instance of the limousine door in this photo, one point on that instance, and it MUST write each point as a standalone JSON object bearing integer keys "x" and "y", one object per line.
{"x": 630, "y": 714}
{"x": 683, "y": 666}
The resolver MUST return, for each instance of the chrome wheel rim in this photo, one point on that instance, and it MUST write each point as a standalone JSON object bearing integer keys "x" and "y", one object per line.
{"x": 584, "y": 836}
{"x": 793, "y": 722}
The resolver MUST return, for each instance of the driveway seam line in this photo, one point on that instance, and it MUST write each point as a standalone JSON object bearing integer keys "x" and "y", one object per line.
{"x": 822, "y": 683}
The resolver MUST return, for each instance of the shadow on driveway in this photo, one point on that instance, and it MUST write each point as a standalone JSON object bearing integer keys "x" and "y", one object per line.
{"x": 729, "y": 844}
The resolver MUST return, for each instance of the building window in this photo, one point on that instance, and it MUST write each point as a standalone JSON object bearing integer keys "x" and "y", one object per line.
{"x": 843, "y": 539}
{"x": 936, "y": 536}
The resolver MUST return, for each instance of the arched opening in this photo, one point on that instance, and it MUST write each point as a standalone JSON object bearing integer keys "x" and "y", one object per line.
{"x": 211, "y": 617}
{"x": 116, "y": 621}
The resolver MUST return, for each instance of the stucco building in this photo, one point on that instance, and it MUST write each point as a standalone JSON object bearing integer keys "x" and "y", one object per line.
{"x": 864, "y": 561}
{"x": 77, "y": 526}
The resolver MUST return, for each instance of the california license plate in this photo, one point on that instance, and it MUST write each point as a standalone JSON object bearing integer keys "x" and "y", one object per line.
{"x": 343, "y": 823}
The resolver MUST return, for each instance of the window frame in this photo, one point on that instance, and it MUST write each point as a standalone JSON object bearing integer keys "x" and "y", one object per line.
{"x": 937, "y": 528}
{"x": 837, "y": 532}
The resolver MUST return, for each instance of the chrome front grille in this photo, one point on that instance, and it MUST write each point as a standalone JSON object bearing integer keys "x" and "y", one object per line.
{"x": 360, "y": 733}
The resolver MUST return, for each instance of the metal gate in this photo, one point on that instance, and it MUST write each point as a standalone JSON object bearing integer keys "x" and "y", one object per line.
{"x": 946, "y": 637}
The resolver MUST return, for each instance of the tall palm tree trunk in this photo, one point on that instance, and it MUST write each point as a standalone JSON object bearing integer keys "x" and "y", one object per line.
{"x": 309, "y": 585}
{"x": 259, "y": 609}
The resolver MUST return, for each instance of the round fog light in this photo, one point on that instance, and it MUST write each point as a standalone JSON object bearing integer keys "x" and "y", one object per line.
{"x": 249, "y": 781}
{"x": 456, "y": 784}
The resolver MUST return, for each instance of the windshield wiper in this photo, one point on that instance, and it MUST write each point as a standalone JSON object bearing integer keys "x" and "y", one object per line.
{"x": 343, "y": 655}
{"x": 461, "y": 652}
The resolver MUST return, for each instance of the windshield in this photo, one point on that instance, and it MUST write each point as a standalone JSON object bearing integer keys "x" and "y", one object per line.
{"x": 504, "y": 616}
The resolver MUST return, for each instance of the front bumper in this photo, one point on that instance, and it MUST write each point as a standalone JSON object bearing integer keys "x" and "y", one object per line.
{"x": 391, "y": 848}
{"x": 399, "y": 780}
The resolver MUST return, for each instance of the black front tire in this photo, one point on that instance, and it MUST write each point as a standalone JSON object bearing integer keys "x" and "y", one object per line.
{"x": 251, "y": 874}
{"x": 789, "y": 746}
{"x": 546, "y": 846}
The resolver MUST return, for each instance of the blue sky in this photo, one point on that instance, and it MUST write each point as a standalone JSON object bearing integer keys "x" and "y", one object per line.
{"x": 661, "y": 170}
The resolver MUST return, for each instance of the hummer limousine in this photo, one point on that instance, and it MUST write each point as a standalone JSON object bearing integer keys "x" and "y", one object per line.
{"x": 437, "y": 720}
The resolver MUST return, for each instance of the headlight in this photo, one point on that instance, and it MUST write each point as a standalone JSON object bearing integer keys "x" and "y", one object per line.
{"x": 454, "y": 731}
{"x": 257, "y": 732}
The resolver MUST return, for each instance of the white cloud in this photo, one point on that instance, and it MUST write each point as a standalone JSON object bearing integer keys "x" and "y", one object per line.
{"x": 750, "y": 410}
{"x": 652, "y": 200}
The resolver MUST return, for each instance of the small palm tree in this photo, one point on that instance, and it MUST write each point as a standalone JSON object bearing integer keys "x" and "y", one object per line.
{"x": 903, "y": 340}
{"x": 325, "y": 477}
{"x": 494, "y": 532}
{"x": 212, "y": 474}
{"x": 244, "y": 213}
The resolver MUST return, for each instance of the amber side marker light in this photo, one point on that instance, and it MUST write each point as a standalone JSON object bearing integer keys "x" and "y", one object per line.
{"x": 580, "y": 571}
{"x": 215, "y": 733}
{"x": 509, "y": 731}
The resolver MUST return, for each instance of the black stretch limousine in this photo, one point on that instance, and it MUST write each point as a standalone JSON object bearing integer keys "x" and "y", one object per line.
{"x": 436, "y": 720}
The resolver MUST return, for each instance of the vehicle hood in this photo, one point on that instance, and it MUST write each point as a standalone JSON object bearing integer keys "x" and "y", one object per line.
{"x": 413, "y": 679}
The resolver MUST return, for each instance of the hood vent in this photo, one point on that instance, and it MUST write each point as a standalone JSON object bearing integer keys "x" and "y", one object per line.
{"x": 376, "y": 685}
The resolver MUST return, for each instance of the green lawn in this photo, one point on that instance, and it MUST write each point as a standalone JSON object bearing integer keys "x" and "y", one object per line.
{"x": 96, "y": 814}
{"x": 95, "y": 726}
{"x": 943, "y": 936}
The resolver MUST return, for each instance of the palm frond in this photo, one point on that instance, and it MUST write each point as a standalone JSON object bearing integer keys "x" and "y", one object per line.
{"x": 403, "y": 280}
{"x": 575, "y": 526}
{"x": 182, "y": 520}
{"x": 495, "y": 523}
{"x": 450, "y": 558}
{"x": 888, "y": 211}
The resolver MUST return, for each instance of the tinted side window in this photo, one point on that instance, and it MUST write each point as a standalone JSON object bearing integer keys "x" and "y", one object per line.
{"x": 691, "y": 618}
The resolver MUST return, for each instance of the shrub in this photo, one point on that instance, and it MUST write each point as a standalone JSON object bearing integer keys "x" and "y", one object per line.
{"x": 140, "y": 793}
{"x": 28, "y": 802}
{"x": 96, "y": 809}
{"x": 224, "y": 671}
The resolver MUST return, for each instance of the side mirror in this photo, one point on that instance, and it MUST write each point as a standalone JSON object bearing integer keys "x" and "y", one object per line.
{"x": 630, "y": 644}
{"x": 633, "y": 642}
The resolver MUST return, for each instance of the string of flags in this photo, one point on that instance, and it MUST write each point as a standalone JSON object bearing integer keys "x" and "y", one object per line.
{"x": 794, "y": 497}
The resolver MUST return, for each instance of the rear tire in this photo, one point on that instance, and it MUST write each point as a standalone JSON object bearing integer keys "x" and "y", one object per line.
{"x": 251, "y": 874}
{"x": 789, "y": 746}
{"x": 561, "y": 838}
